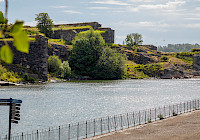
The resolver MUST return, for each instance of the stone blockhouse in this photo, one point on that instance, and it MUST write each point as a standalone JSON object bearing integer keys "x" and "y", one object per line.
{"x": 69, "y": 34}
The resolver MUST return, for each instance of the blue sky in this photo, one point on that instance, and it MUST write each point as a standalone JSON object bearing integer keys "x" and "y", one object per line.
{"x": 160, "y": 22}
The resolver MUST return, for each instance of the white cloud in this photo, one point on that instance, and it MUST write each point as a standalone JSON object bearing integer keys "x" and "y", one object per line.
{"x": 148, "y": 25}
{"x": 1, "y": 0}
{"x": 72, "y": 12}
{"x": 197, "y": 8}
{"x": 141, "y": 0}
{"x": 192, "y": 25}
{"x": 194, "y": 18}
{"x": 99, "y": 8}
{"x": 111, "y": 2}
{"x": 168, "y": 6}
{"x": 59, "y": 7}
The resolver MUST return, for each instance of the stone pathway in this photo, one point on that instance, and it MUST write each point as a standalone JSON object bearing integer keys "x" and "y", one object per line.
{"x": 183, "y": 127}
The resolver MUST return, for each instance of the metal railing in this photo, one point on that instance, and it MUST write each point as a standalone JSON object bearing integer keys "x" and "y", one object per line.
{"x": 108, "y": 124}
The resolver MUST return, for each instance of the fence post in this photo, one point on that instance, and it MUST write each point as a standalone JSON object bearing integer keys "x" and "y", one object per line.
{"x": 121, "y": 121}
{"x": 180, "y": 108}
{"x": 94, "y": 127}
{"x": 190, "y": 106}
{"x": 133, "y": 118}
{"x": 145, "y": 113}
{"x": 169, "y": 110}
{"x": 184, "y": 107}
{"x": 127, "y": 120}
{"x": 77, "y": 130}
{"x": 155, "y": 114}
{"x": 22, "y": 136}
{"x": 37, "y": 135}
{"x": 177, "y": 108}
{"x": 115, "y": 123}
{"x": 69, "y": 132}
{"x": 150, "y": 114}
{"x": 139, "y": 117}
{"x": 187, "y": 106}
{"x": 101, "y": 127}
{"x": 164, "y": 113}
{"x": 86, "y": 129}
{"x": 108, "y": 124}
{"x": 49, "y": 133}
{"x": 59, "y": 133}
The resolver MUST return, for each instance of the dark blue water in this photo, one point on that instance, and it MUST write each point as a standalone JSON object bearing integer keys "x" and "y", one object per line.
{"x": 57, "y": 104}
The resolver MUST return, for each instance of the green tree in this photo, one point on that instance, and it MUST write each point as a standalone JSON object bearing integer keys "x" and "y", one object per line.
{"x": 111, "y": 65}
{"x": 65, "y": 70}
{"x": 87, "y": 48}
{"x": 133, "y": 39}
{"x": 54, "y": 64}
{"x": 44, "y": 24}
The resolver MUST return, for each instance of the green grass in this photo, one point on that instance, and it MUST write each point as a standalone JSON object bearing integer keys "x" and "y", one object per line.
{"x": 58, "y": 41}
{"x": 185, "y": 59}
{"x": 101, "y": 32}
{"x": 7, "y": 39}
{"x": 10, "y": 76}
{"x": 72, "y": 27}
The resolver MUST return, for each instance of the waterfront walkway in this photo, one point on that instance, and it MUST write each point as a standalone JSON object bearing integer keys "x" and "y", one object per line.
{"x": 183, "y": 127}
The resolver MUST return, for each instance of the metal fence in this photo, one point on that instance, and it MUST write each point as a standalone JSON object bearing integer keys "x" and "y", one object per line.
{"x": 108, "y": 124}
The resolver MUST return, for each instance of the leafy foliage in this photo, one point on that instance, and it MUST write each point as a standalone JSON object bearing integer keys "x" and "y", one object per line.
{"x": 111, "y": 65}
{"x": 45, "y": 24}
{"x": 87, "y": 48}
{"x": 6, "y": 54}
{"x": 65, "y": 70}
{"x": 71, "y": 27}
{"x": 21, "y": 41}
{"x": 164, "y": 58}
{"x": 6, "y": 75}
{"x": 153, "y": 70}
{"x": 54, "y": 64}
{"x": 133, "y": 39}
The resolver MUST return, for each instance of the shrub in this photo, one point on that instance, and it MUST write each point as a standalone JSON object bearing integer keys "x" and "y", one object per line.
{"x": 149, "y": 121}
{"x": 174, "y": 113}
{"x": 87, "y": 48}
{"x": 111, "y": 65}
{"x": 65, "y": 70}
{"x": 164, "y": 58}
{"x": 54, "y": 64}
{"x": 160, "y": 116}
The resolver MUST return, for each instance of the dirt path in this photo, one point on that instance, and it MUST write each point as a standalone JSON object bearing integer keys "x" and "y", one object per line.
{"x": 182, "y": 127}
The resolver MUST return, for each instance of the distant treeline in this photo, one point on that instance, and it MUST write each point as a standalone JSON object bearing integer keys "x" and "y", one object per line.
{"x": 178, "y": 47}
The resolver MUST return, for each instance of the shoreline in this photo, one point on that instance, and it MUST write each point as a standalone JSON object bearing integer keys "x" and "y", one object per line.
{"x": 10, "y": 84}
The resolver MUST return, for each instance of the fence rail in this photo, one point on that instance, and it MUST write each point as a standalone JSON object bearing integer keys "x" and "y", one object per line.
{"x": 108, "y": 124}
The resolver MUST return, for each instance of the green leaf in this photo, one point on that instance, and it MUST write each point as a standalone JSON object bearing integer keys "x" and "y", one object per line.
{"x": 21, "y": 42}
{"x": 6, "y": 54}
{"x": 17, "y": 27}
{"x": 2, "y": 19}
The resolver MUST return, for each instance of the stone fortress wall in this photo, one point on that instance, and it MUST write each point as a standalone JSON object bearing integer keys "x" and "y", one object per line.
{"x": 35, "y": 62}
{"x": 70, "y": 34}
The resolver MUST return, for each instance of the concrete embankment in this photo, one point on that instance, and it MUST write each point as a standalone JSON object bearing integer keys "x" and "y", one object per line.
{"x": 183, "y": 127}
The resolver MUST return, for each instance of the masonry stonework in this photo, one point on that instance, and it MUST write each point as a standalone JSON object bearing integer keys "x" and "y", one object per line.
{"x": 68, "y": 35}
{"x": 35, "y": 61}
